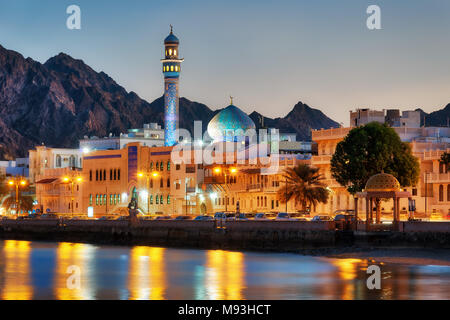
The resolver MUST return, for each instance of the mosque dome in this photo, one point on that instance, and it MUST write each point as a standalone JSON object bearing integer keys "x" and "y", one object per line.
{"x": 229, "y": 123}
{"x": 382, "y": 182}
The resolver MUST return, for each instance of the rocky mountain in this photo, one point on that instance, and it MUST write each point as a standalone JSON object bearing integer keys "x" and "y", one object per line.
{"x": 62, "y": 100}
{"x": 439, "y": 118}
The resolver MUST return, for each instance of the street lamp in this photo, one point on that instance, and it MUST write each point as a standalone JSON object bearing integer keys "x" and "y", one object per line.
{"x": 72, "y": 179}
{"x": 17, "y": 182}
{"x": 232, "y": 170}
{"x": 148, "y": 175}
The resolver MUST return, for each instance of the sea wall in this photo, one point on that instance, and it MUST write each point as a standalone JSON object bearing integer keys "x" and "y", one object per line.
{"x": 252, "y": 235}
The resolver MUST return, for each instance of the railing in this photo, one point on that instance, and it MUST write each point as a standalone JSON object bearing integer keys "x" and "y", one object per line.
{"x": 330, "y": 133}
{"x": 190, "y": 169}
{"x": 323, "y": 159}
{"x": 253, "y": 187}
{"x": 438, "y": 177}
{"x": 214, "y": 180}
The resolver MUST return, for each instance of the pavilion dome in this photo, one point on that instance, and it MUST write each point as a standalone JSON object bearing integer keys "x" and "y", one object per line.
{"x": 229, "y": 123}
{"x": 382, "y": 182}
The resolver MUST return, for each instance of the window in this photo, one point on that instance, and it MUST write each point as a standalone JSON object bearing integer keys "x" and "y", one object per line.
{"x": 58, "y": 161}
{"x": 118, "y": 198}
{"x": 151, "y": 199}
{"x": 104, "y": 199}
{"x": 96, "y": 175}
{"x": 161, "y": 166}
{"x": 115, "y": 174}
{"x": 257, "y": 202}
{"x": 175, "y": 52}
{"x": 72, "y": 161}
{"x": 168, "y": 165}
{"x": 104, "y": 174}
{"x": 100, "y": 198}
{"x": 118, "y": 174}
{"x": 441, "y": 193}
{"x": 111, "y": 199}
{"x": 177, "y": 167}
{"x": 115, "y": 199}
{"x": 156, "y": 199}
{"x": 161, "y": 183}
{"x": 161, "y": 200}
{"x": 151, "y": 166}
{"x": 151, "y": 183}
{"x": 90, "y": 175}
{"x": 90, "y": 199}
{"x": 170, "y": 52}
{"x": 168, "y": 183}
{"x": 110, "y": 174}
{"x": 414, "y": 191}
{"x": 168, "y": 199}
{"x": 176, "y": 68}
{"x": 171, "y": 68}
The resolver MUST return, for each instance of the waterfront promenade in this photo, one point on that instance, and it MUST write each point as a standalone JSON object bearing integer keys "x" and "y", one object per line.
{"x": 252, "y": 235}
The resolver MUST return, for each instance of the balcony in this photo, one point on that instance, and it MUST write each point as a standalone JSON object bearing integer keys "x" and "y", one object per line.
{"x": 438, "y": 177}
{"x": 190, "y": 169}
{"x": 254, "y": 187}
{"x": 322, "y": 159}
{"x": 214, "y": 180}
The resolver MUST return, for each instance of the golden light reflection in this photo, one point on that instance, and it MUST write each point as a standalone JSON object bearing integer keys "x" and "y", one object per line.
{"x": 16, "y": 260}
{"x": 81, "y": 256}
{"x": 224, "y": 278}
{"x": 348, "y": 271}
{"x": 147, "y": 274}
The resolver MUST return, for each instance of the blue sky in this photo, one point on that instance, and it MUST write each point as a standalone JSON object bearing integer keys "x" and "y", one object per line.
{"x": 268, "y": 54}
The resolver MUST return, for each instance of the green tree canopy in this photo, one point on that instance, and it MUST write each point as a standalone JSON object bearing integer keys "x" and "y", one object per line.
{"x": 369, "y": 150}
{"x": 303, "y": 184}
{"x": 445, "y": 159}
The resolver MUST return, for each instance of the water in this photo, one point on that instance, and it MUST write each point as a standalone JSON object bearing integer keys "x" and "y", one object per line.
{"x": 37, "y": 270}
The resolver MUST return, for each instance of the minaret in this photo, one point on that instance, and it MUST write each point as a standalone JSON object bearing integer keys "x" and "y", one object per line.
{"x": 171, "y": 69}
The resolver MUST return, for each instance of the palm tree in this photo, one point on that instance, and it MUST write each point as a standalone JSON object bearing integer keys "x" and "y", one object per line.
{"x": 303, "y": 184}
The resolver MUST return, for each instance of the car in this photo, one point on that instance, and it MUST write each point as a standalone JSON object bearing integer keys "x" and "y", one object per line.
{"x": 106, "y": 218}
{"x": 218, "y": 215}
{"x": 49, "y": 216}
{"x": 283, "y": 216}
{"x": 230, "y": 216}
{"x": 322, "y": 218}
{"x": 145, "y": 217}
{"x": 345, "y": 217}
{"x": 123, "y": 218}
{"x": 265, "y": 216}
{"x": 4, "y": 218}
{"x": 204, "y": 218}
{"x": 163, "y": 218}
{"x": 245, "y": 216}
{"x": 183, "y": 218}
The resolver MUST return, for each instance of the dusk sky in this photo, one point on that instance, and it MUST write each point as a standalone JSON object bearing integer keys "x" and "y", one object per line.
{"x": 267, "y": 54}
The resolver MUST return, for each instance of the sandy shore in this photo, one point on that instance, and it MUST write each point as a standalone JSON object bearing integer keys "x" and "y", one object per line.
{"x": 440, "y": 257}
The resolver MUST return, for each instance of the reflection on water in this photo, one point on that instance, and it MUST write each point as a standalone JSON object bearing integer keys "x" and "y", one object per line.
{"x": 37, "y": 270}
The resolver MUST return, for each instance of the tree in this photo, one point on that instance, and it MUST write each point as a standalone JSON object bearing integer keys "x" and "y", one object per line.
{"x": 369, "y": 150}
{"x": 25, "y": 203}
{"x": 445, "y": 160}
{"x": 303, "y": 183}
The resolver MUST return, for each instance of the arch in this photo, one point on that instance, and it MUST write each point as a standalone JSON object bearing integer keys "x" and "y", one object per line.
{"x": 72, "y": 161}
{"x": 58, "y": 161}
{"x": 203, "y": 208}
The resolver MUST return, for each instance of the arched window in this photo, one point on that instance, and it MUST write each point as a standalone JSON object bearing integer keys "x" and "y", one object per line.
{"x": 441, "y": 193}
{"x": 171, "y": 68}
{"x": 161, "y": 200}
{"x": 168, "y": 182}
{"x": 168, "y": 165}
{"x": 151, "y": 199}
{"x": 118, "y": 198}
{"x": 90, "y": 199}
{"x": 104, "y": 199}
{"x": 156, "y": 199}
{"x": 161, "y": 183}
{"x": 115, "y": 174}
{"x": 257, "y": 198}
{"x": 72, "y": 161}
{"x": 175, "y": 52}
{"x": 118, "y": 174}
{"x": 151, "y": 166}
{"x": 168, "y": 199}
{"x": 161, "y": 166}
{"x": 170, "y": 52}
{"x": 134, "y": 194}
{"x": 90, "y": 175}
{"x": 58, "y": 161}
{"x": 176, "y": 68}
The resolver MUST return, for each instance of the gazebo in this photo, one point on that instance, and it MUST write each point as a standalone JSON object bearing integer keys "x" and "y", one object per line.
{"x": 382, "y": 186}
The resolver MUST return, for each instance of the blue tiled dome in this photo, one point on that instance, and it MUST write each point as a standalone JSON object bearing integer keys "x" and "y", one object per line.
{"x": 171, "y": 38}
{"x": 225, "y": 124}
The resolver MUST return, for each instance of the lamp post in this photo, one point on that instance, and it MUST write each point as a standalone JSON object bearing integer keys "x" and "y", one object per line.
{"x": 148, "y": 175}
{"x": 232, "y": 171}
{"x": 72, "y": 179}
{"x": 17, "y": 182}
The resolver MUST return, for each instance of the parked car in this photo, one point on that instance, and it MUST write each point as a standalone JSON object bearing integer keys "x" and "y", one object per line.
{"x": 345, "y": 217}
{"x": 49, "y": 216}
{"x": 322, "y": 218}
{"x": 106, "y": 218}
{"x": 265, "y": 216}
{"x": 183, "y": 218}
{"x": 204, "y": 218}
{"x": 145, "y": 217}
{"x": 245, "y": 216}
{"x": 283, "y": 216}
{"x": 218, "y": 215}
{"x": 123, "y": 218}
{"x": 163, "y": 218}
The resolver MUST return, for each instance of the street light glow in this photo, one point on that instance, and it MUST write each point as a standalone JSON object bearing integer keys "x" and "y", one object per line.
{"x": 217, "y": 170}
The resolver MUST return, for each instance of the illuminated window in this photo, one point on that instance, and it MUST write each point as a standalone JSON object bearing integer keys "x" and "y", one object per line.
{"x": 174, "y": 52}
{"x": 164, "y": 68}
{"x": 171, "y": 68}
{"x": 90, "y": 199}
{"x": 168, "y": 199}
{"x": 111, "y": 199}
{"x": 151, "y": 166}
{"x": 104, "y": 199}
{"x": 118, "y": 198}
{"x": 168, "y": 165}
{"x": 161, "y": 166}
{"x": 151, "y": 199}
{"x": 176, "y": 68}
{"x": 161, "y": 200}
{"x": 157, "y": 199}
{"x": 170, "y": 52}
